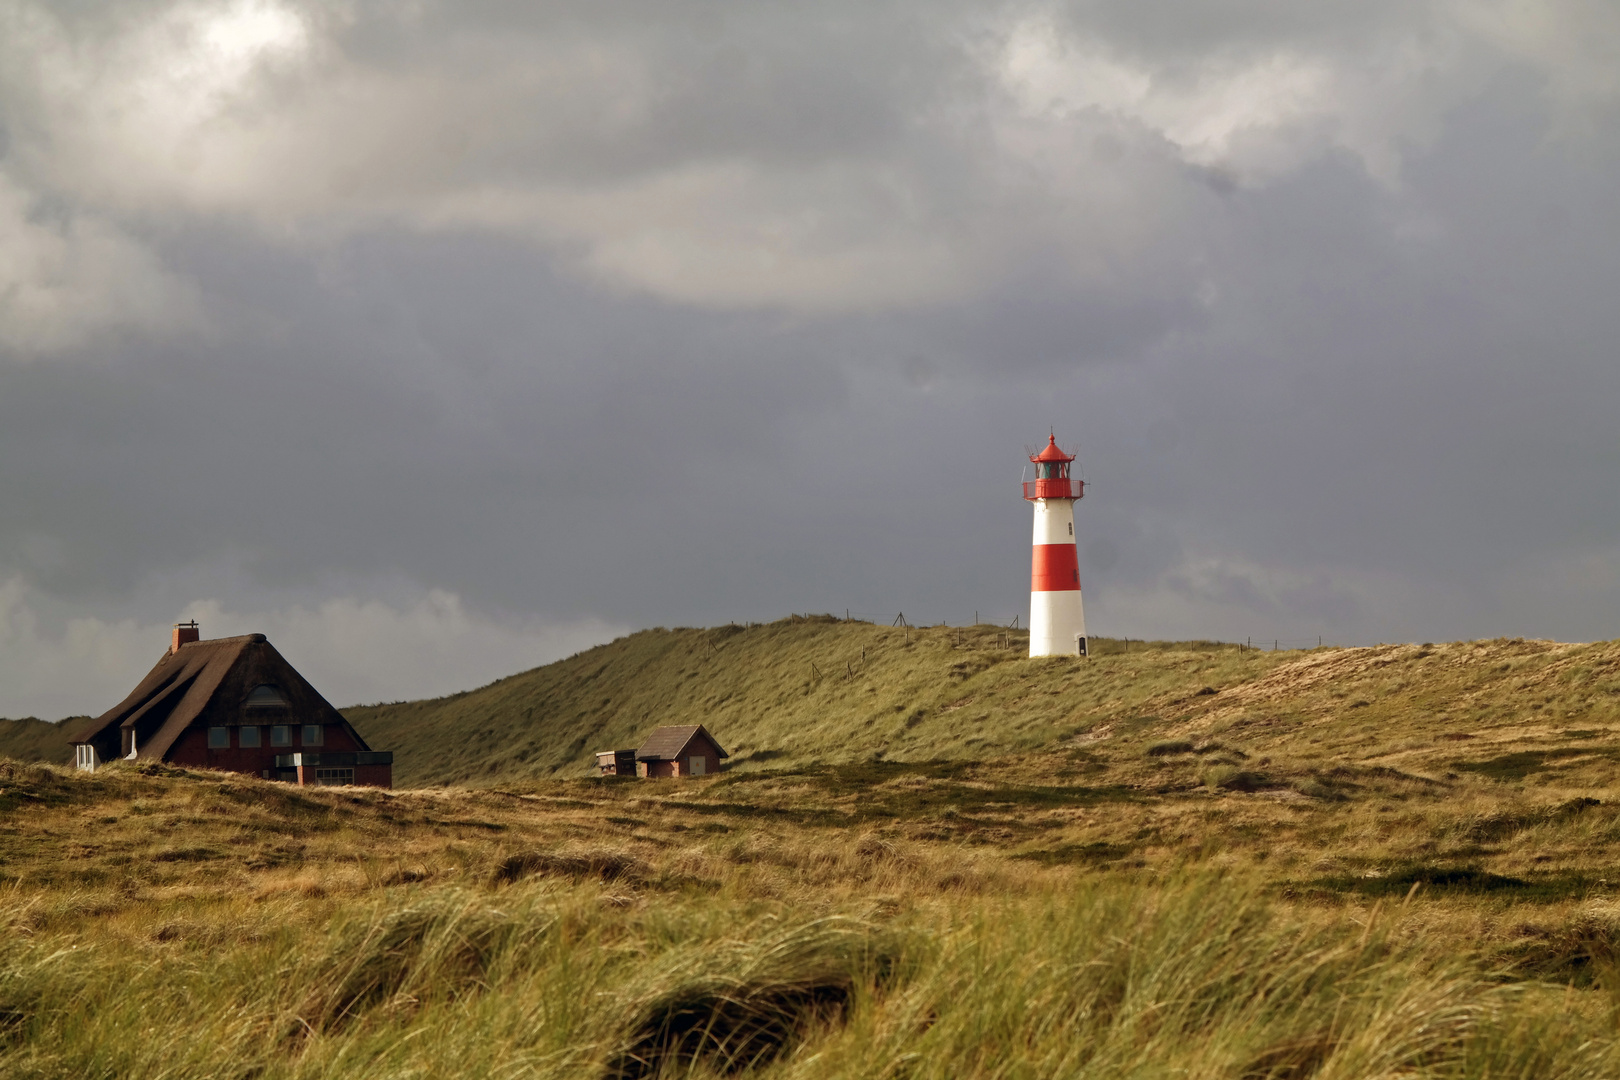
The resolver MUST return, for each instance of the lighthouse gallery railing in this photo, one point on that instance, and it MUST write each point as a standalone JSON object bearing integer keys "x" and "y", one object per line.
{"x": 1054, "y": 489}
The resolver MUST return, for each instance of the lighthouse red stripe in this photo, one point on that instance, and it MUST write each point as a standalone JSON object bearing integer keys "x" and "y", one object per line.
{"x": 1056, "y": 569}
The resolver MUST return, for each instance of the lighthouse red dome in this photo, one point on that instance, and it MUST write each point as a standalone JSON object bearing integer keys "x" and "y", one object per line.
{"x": 1051, "y": 452}
{"x": 1052, "y": 480}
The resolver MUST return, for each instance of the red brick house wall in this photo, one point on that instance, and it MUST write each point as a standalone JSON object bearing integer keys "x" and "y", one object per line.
{"x": 374, "y": 775}
{"x": 191, "y": 749}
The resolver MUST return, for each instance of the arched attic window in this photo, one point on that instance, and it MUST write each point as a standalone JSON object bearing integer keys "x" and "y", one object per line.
{"x": 265, "y": 696}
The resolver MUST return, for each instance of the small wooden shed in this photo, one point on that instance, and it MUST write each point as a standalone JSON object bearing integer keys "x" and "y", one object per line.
{"x": 616, "y": 762}
{"x": 685, "y": 750}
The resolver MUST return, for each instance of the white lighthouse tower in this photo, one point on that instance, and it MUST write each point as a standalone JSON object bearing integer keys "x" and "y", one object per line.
{"x": 1057, "y": 623}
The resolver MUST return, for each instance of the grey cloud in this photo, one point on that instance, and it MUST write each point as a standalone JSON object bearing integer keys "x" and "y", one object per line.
{"x": 1331, "y": 370}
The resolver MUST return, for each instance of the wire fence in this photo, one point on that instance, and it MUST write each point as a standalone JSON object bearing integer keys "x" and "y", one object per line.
{"x": 1015, "y": 622}
{"x": 1277, "y": 644}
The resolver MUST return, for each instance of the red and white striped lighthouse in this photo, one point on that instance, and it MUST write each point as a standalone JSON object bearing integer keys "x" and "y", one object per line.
{"x": 1057, "y": 623}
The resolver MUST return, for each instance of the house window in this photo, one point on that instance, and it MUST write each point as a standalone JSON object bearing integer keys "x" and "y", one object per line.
{"x": 219, "y": 738}
{"x": 248, "y": 736}
{"x": 265, "y": 697}
{"x": 333, "y": 777}
{"x": 313, "y": 735}
{"x": 696, "y": 765}
{"x": 281, "y": 735}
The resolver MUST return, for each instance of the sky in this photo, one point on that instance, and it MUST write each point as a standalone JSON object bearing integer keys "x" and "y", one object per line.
{"x": 437, "y": 340}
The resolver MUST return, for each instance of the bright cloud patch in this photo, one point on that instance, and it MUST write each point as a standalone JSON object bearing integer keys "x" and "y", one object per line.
{"x": 68, "y": 279}
{"x": 1257, "y": 110}
{"x": 778, "y": 162}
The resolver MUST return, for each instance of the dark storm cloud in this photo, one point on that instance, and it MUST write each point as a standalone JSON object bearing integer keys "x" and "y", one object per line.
{"x": 444, "y": 338}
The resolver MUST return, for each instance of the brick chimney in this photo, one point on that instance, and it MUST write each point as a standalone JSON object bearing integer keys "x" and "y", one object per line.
{"x": 184, "y": 634}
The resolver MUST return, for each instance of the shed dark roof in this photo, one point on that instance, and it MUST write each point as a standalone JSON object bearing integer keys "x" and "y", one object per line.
{"x": 668, "y": 743}
{"x": 209, "y": 682}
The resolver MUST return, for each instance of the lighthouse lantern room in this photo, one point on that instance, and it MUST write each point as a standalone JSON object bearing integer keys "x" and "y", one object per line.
{"x": 1057, "y": 622}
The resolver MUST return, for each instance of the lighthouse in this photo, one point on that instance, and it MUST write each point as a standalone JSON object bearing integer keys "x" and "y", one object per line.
{"x": 1057, "y": 623}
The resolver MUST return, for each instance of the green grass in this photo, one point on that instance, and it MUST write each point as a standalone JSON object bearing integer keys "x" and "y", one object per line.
{"x": 823, "y": 691}
{"x": 33, "y": 739}
{"x": 792, "y": 692}
{"x": 1086, "y": 910}
{"x": 1017, "y": 869}
{"x": 1097, "y": 976}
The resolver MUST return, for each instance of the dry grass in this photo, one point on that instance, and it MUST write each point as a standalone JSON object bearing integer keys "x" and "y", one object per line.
{"x": 1343, "y": 863}
{"x": 823, "y": 691}
{"x": 791, "y": 693}
{"x": 1095, "y": 910}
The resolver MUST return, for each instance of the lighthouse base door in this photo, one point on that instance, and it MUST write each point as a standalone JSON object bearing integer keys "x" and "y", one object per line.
{"x": 1057, "y": 624}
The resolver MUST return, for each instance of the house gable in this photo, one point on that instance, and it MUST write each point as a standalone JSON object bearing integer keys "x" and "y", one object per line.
{"x": 673, "y": 743}
{"x": 205, "y": 684}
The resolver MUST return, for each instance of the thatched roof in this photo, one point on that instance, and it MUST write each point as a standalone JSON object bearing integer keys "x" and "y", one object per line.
{"x": 209, "y": 683}
{"x": 668, "y": 743}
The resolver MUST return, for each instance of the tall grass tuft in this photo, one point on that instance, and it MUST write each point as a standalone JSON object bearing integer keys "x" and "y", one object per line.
{"x": 1199, "y": 975}
{"x": 740, "y": 1005}
{"x": 398, "y": 959}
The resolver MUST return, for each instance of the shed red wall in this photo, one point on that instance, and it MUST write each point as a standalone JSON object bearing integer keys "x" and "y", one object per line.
{"x": 711, "y": 759}
{"x": 681, "y": 766}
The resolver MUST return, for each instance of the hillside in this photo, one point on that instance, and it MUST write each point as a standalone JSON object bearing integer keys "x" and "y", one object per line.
{"x": 32, "y": 739}
{"x": 1123, "y": 905}
{"x": 797, "y": 692}
{"x": 1183, "y": 860}
{"x": 791, "y": 692}
{"x": 803, "y": 691}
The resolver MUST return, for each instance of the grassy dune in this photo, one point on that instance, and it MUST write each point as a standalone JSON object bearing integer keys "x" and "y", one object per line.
{"x": 801, "y": 692}
{"x": 948, "y": 862}
{"x": 806, "y": 691}
{"x": 791, "y": 692}
{"x": 33, "y": 739}
{"x": 1194, "y": 895}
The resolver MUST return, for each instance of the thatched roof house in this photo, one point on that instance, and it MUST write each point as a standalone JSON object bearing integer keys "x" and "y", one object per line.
{"x": 234, "y": 704}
